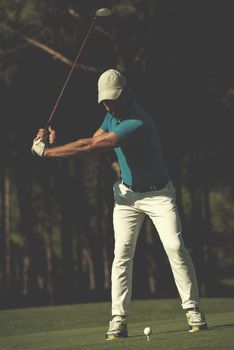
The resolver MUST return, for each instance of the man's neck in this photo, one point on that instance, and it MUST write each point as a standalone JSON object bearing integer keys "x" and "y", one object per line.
{"x": 124, "y": 112}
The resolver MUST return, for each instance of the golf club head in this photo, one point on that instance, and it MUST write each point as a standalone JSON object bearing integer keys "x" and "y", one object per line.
{"x": 103, "y": 13}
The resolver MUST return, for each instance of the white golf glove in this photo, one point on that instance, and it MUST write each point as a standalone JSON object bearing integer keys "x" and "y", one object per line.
{"x": 38, "y": 147}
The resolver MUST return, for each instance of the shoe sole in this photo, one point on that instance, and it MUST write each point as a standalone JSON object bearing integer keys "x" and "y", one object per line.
{"x": 116, "y": 337}
{"x": 113, "y": 337}
{"x": 193, "y": 329}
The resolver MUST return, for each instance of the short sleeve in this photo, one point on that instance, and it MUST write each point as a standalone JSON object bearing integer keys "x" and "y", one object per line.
{"x": 127, "y": 127}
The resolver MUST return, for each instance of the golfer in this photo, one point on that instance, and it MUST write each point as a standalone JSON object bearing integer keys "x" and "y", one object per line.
{"x": 144, "y": 188}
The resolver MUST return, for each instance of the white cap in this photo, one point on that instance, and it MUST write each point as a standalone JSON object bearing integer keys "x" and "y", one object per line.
{"x": 110, "y": 85}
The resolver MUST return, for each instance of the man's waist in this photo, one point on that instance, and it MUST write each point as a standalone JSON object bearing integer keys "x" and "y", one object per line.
{"x": 155, "y": 187}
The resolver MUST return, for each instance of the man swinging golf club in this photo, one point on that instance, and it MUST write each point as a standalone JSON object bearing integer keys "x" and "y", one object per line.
{"x": 145, "y": 188}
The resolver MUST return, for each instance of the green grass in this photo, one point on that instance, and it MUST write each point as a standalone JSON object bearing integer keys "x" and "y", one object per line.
{"x": 83, "y": 326}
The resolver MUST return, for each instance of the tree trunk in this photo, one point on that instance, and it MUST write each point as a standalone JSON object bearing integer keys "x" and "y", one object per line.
{"x": 65, "y": 193}
{"x": 31, "y": 257}
{"x": 210, "y": 278}
{"x": 196, "y": 239}
{"x": 5, "y": 234}
{"x": 48, "y": 245}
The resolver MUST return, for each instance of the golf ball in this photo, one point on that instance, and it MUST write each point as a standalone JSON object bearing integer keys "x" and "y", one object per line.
{"x": 147, "y": 331}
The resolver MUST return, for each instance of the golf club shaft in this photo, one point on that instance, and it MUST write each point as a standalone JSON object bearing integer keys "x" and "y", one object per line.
{"x": 70, "y": 73}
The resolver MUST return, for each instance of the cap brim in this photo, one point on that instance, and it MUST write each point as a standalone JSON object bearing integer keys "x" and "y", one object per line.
{"x": 109, "y": 95}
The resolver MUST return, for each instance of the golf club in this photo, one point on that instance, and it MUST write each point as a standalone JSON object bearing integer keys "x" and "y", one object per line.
{"x": 101, "y": 13}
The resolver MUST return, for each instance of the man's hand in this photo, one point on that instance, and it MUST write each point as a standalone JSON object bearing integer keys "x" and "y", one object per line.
{"x": 40, "y": 141}
{"x": 38, "y": 146}
{"x": 52, "y": 135}
{"x": 43, "y": 134}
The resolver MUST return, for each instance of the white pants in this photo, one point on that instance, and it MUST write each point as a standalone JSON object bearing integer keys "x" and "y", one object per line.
{"x": 129, "y": 213}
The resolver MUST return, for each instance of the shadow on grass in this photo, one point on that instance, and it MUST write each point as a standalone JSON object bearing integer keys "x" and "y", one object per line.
{"x": 136, "y": 336}
{"x": 185, "y": 330}
{"x": 221, "y": 326}
{"x": 209, "y": 328}
{"x": 158, "y": 333}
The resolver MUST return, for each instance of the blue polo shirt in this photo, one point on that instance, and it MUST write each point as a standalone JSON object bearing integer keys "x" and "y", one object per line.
{"x": 140, "y": 158}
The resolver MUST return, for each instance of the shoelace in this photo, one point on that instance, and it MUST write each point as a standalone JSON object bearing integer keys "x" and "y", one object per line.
{"x": 114, "y": 325}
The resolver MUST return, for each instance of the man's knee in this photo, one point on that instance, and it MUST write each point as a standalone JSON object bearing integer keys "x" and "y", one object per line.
{"x": 175, "y": 248}
{"x": 124, "y": 251}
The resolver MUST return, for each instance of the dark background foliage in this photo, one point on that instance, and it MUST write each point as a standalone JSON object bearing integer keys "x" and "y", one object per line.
{"x": 56, "y": 235}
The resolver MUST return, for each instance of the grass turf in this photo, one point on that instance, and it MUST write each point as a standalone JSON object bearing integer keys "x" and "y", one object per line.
{"x": 83, "y": 327}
